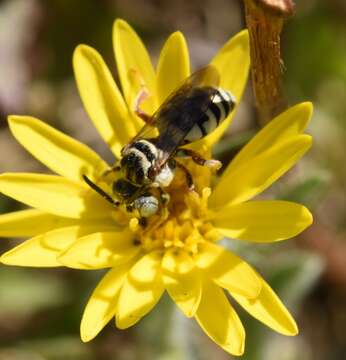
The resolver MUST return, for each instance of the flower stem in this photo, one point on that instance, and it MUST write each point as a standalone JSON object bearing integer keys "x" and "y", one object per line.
{"x": 265, "y": 19}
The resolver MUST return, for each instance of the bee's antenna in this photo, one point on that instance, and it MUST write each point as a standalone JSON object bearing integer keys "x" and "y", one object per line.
{"x": 100, "y": 191}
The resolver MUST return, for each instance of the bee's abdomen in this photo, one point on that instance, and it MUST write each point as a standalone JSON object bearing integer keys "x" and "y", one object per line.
{"x": 221, "y": 104}
{"x": 138, "y": 160}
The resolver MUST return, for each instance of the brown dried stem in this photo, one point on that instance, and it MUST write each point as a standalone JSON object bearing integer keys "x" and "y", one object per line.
{"x": 265, "y": 19}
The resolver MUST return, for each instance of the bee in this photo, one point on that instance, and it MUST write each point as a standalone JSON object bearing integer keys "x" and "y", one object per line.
{"x": 149, "y": 161}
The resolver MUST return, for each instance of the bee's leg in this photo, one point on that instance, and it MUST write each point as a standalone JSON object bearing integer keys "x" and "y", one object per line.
{"x": 198, "y": 159}
{"x": 101, "y": 192}
{"x": 164, "y": 196}
{"x": 129, "y": 208}
{"x": 112, "y": 169}
{"x": 141, "y": 96}
{"x": 188, "y": 176}
{"x": 143, "y": 222}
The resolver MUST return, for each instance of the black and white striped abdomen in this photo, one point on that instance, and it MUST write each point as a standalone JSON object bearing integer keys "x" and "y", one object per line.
{"x": 220, "y": 106}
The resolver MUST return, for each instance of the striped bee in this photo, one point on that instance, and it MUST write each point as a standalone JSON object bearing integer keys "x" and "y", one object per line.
{"x": 193, "y": 111}
{"x": 190, "y": 113}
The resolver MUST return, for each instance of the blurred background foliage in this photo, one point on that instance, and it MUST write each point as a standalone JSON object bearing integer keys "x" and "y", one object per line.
{"x": 40, "y": 310}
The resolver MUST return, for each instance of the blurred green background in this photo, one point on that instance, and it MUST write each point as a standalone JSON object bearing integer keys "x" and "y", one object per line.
{"x": 40, "y": 310}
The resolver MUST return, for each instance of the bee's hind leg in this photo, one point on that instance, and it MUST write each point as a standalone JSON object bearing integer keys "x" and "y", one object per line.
{"x": 199, "y": 160}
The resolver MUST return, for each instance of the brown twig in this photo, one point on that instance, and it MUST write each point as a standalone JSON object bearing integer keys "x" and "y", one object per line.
{"x": 265, "y": 19}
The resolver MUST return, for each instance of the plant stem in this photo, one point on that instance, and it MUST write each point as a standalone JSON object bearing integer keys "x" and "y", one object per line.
{"x": 265, "y": 19}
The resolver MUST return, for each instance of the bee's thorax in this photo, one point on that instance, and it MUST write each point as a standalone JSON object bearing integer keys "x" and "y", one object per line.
{"x": 138, "y": 161}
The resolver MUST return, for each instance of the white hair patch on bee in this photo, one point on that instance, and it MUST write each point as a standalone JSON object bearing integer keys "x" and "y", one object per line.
{"x": 227, "y": 95}
{"x": 145, "y": 163}
{"x": 165, "y": 176}
{"x": 217, "y": 99}
{"x": 150, "y": 145}
{"x": 211, "y": 123}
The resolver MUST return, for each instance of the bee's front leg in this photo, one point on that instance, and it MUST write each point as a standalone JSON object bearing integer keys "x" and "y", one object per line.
{"x": 199, "y": 160}
{"x": 112, "y": 169}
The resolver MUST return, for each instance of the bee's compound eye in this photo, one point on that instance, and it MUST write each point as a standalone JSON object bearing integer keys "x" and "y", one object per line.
{"x": 146, "y": 205}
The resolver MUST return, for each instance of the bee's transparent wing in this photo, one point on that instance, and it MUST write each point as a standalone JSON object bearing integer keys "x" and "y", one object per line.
{"x": 207, "y": 76}
{"x": 169, "y": 135}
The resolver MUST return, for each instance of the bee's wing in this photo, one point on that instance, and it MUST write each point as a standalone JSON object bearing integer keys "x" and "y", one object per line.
{"x": 207, "y": 76}
{"x": 171, "y": 136}
{"x": 168, "y": 134}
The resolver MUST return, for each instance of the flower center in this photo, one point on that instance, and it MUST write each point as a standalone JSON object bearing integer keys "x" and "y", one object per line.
{"x": 184, "y": 227}
{"x": 180, "y": 223}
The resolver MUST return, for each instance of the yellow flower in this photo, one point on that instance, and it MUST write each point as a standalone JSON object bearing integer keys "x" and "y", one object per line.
{"x": 73, "y": 226}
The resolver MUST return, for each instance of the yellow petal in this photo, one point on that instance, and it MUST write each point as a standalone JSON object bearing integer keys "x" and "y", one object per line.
{"x": 102, "y": 303}
{"x": 59, "y": 152}
{"x": 100, "y": 250}
{"x": 182, "y": 281}
{"x": 141, "y": 291}
{"x": 232, "y": 63}
{"x": 290, "y": 123}
{"x": 42, "y": 250}
{"x": 268, "y": 309}
{"x": 102, "y": 99}
{"x": 30, "y": 222}
{"x": 173, "y": 66}
{"x": 262, "y": 221}
{"x": 228, "y": 270}
{"x": 53, "y": 194}
{"x": 134, "y": 65}
{"x": 254, "y": 176}
{"x": 220, "y": 322}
